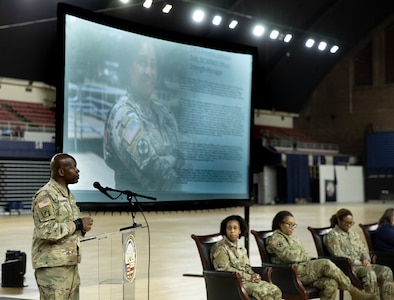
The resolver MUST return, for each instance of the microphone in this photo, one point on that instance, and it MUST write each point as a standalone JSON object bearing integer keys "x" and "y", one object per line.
{"x": 98, "y": 186}
{"x": 105, "y": 190}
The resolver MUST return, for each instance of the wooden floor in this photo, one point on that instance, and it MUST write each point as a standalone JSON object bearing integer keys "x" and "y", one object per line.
{"x": 165, "y": 251}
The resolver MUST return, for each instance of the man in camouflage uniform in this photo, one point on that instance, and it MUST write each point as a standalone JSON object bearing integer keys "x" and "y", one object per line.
{"x": 323, "y": 274}
{"x": 341, "y": 241}
{"x": 141, "y": 142}
{"x": 58, "y": 227}
{"x": 230, "y": 255}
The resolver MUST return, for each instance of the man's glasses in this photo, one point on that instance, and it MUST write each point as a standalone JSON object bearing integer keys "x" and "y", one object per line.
{"x": 291, "y": 225}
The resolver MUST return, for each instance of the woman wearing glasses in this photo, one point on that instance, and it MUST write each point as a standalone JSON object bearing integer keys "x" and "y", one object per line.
{"x": 341, "y": 241}
{"x": 323, "y": 274}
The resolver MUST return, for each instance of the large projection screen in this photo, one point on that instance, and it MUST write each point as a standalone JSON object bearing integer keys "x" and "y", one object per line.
{"x": 155, "y": 113}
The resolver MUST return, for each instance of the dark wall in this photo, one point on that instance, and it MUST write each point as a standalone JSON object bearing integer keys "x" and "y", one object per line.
{"x": 342, "y": 113}
{"x": 24, "y": 149}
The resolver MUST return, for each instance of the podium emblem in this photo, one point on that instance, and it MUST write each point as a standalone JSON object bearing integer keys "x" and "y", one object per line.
{"x": 130, "y": 257}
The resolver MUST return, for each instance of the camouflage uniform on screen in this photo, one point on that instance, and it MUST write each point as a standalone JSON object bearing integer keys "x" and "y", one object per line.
{"x": 321, "y": 273}
{"x": 377, "y": 279}
{"x": 228, "y": 256}
{"x": 142, "y": 147}
{"x": 55, "y": 239}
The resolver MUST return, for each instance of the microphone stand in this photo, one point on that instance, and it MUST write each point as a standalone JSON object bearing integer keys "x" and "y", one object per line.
{"x": 130, "y": 195}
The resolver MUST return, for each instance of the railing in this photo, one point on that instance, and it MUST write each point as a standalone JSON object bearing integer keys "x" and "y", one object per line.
{"x": 89, "y": 103}
{"x": 303, "y": 146}
{"x": 14, "y": 130}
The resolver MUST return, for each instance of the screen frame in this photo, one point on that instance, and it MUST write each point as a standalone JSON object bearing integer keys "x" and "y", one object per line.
{"x": 67, "y": 9}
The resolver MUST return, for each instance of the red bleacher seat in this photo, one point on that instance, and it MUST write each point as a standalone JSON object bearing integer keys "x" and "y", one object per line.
{"x": 281, "y": 133}
{"x": 32, "y": 112}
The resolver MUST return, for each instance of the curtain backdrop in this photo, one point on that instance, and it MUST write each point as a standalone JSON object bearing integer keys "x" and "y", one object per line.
{"x": 298, "y": 179}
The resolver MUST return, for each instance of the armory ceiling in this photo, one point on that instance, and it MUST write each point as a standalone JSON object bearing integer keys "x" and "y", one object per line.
{"x": 287, "y": 73}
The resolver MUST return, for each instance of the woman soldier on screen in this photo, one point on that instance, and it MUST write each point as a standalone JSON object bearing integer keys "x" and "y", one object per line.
{"x": 141, "y": 141}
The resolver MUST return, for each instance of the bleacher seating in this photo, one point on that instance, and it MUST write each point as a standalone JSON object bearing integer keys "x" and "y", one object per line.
{"x": 19, "y": 180}
{"x": 7, "y": 116}
{"x": 282, "y": 133}
{"x": 18, "y": 117}
{"x": 34, "y": 113}
{"x": 289, "y": 140}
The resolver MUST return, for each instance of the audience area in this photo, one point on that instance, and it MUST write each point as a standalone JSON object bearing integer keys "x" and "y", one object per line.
{"x": 174, "y": 260}
{"x": 17, "y": 116}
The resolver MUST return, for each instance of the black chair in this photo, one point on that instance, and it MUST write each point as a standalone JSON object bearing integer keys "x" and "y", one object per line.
{"x": 379, "y": 257}
{"x": 224, "y": 285}
{"x": 344, "y": 263}
{"x": 368, "y": 231}
{"x": 284, "y": 275}
{"x": 204, "y": 244}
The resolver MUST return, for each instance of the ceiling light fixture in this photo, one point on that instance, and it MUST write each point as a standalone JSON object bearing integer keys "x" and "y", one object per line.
{"x": 322, "y": 46}
{"x": 217, "y": 20}
{"x": 309, "y": 43}
{"x": 233, "y": 24}
{"x": 198, "y": 15}
{"x": 167, "y": 8}
{"x": 334, "y": 49}
{"x": 274, "y": 34}
{"x": 288, "y": 38}
{"x": 147, "y": 3}
{"x": 258, "y": 30}
{"x": 124, "y": 1}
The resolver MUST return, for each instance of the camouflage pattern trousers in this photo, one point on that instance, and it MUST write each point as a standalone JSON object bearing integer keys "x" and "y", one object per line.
{"x": 58, "y": 283}
{"x": 324, "y": 275}
{"x": 377, "y": 280}
{"x": 263, "y": 290}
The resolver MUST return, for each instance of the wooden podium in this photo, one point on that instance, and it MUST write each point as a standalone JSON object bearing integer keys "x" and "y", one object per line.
{"x": 117, "y": 263}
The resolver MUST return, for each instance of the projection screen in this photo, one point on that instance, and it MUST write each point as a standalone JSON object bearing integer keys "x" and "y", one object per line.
{"x": 160, "y": 114}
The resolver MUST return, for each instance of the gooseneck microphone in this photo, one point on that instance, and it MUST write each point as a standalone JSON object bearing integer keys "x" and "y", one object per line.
{"x": 98, "y": 186}
{"x": 129, "y": 194}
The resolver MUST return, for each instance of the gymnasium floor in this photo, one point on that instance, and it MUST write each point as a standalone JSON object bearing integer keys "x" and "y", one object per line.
{"x": 165, "y": 251}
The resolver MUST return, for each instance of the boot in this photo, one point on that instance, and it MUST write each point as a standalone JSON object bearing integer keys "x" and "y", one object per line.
{"x": 361, "y": 295}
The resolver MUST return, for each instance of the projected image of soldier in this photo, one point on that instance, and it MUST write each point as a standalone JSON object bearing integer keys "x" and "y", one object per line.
{"x": 141, "y": 140}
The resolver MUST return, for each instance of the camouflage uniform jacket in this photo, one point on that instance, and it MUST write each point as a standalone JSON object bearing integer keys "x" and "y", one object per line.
{"x": 286, "y": 248}
{"x": 142, "y": 147}
{"x": 55, "y": 241}
{"x": 229, "y": 256}
{"x": 346, "y": 244}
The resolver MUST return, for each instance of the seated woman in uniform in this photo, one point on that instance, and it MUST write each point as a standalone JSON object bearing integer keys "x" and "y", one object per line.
{"x": 323, "y": 274}
{"x": 230, "y": 255}
{"x": 341, "y": 241}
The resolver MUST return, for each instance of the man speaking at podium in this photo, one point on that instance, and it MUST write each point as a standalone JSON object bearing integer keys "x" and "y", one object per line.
{"x": 58, "y": 227}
